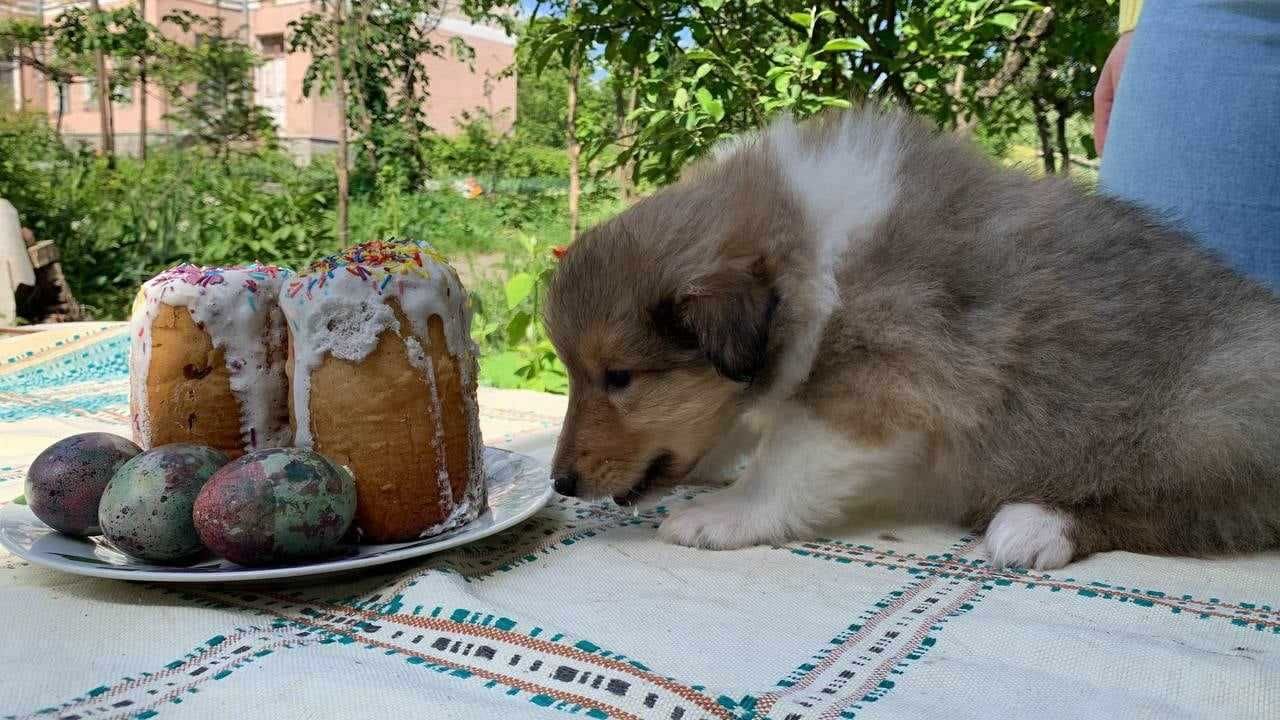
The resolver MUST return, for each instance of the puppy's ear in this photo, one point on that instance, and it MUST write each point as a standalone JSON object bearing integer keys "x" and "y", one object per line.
{"x": 725, "y": 315}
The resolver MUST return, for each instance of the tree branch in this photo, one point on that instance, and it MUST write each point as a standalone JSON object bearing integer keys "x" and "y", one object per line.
{"x": 773, "y": 13}
{"x": 1021, "y": 47}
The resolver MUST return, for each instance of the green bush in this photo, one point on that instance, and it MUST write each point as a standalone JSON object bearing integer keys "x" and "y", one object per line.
{"x": 492, "y": 157}
{"x": 515, "y": 351}
{"x": 119, "y": 223}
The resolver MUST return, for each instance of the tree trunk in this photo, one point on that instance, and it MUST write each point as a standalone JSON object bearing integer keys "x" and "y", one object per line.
{"x": 364, "y": 137}
{"x": 624, "y": 104}
{"x": 1041, "y": 113}
{"x": 340, "y": 96}
{"x": 1064, "y": 147}
{"x": 62, "y": 104}
{"x": 104, "y": 89}
{"x": 571, "y": 137}
{"x": 1031, "y": 32}
{"x": 142, "y": 109}
{"x": 142, "y": 92}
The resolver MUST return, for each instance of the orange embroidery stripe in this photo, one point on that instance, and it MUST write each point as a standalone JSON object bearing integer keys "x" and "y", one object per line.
{"x": 479, "y": 672}
{"x": 438, "y": 624}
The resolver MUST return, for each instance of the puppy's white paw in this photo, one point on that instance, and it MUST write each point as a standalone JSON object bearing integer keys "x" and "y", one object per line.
{"x": 718, "y": 522}
{"x": 1028, "y": 535}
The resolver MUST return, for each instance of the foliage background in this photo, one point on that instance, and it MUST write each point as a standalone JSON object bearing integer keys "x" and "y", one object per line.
{"x": 663, "y": 82}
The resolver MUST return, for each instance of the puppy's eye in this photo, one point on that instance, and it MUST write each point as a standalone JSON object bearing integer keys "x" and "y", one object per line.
{"x": 615, "y": 380}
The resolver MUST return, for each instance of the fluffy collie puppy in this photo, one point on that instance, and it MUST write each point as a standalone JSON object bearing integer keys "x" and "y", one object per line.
{"x": 873, "y": 312}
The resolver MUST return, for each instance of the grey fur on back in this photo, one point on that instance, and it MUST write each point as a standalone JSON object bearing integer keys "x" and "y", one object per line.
{"x": 1074, "y": 351}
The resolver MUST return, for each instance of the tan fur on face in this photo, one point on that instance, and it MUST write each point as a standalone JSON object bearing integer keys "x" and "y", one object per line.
{"x": 611, "y": 438}
{"x": 647, "y": 292}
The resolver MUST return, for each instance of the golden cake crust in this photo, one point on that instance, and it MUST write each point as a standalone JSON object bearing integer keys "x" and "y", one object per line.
{"x": 377, "y": 418}
{"x": 189, "y": 398}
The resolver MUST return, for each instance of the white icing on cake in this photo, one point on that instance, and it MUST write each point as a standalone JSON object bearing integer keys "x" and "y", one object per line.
{"x": 238, "y": 309}
{"x": 339, "y": 307}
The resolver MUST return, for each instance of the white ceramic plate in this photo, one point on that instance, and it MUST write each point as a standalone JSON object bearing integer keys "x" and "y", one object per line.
{"x": 518, "y": 487}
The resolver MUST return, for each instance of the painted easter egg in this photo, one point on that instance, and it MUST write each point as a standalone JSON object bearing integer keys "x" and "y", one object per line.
{"x": 65, "y": 483}
{"x": 146, "y": 510}
{"x": 276, "y": 505}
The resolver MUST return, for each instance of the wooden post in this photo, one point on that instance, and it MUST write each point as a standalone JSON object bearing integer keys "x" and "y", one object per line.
{"x": 104, "y": 89}
{"x": 340, "y": 96}
{"x": 571, "y": 136}
{"x": 142, "y": 90}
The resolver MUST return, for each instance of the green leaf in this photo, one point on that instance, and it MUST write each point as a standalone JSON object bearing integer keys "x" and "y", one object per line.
{"x": 653, "y": 57}
{"x": 518, "y": 289}
{"x": 681, "y": 99}
{"x": 711, "y": 4}
{"x": 518, "y": 327}
{"x": 703, "y": 70}
{"x": 504, "y": 369}
{"x": 844, "y": 45}
{"x": 1009, "y": 21}
{"x": 701, "y": 54}
{"x": 558, "y": 384}
{"x": 710, "y": 105}
{"x": 801, "y": 18}
{"x": 1089, "y": 145}
{"x": 657, "y": 117}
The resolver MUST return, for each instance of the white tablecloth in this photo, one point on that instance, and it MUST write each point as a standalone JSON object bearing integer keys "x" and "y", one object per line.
{"x": 580, "y": 611}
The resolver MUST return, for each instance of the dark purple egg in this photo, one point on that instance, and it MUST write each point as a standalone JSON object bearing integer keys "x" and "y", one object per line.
{"x": 65, "y": 483}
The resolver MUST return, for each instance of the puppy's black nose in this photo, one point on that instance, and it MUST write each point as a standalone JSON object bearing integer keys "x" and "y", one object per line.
{"x": 565, "y": 483}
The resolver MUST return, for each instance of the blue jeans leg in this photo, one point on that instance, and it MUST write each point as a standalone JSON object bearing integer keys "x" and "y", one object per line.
{"x": 1195, "y": 131}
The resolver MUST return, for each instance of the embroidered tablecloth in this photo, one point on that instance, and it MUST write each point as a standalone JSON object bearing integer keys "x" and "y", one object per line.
{"x": 580, "y": 611}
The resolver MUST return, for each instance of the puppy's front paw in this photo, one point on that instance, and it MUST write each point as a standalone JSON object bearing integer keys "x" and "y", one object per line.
{"x": 1028, "y": 535}
{"x": 719, "y": 522}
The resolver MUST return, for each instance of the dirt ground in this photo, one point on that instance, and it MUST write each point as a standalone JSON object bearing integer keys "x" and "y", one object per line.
{"x": 478, "y": 267}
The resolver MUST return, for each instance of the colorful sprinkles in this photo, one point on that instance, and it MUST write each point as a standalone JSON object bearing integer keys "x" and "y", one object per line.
{"x": 198, "y": 276}
{"x": 376, "y": 262}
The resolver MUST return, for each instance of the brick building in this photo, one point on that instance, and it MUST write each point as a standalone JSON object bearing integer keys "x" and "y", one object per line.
{"x": 305, "y": 125}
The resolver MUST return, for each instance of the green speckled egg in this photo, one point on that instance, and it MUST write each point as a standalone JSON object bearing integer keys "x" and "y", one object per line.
{"x": 65, "y": 483}
{"x": 276, "y": 505}
{"x": 146, "y": 510}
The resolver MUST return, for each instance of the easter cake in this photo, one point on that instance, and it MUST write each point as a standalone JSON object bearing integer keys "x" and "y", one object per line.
{"x": 206, "y": 364}
{"x": 382, "y": 375}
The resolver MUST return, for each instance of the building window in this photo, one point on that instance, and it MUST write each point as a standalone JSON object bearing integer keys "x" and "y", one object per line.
{"x": 271, "y": 46}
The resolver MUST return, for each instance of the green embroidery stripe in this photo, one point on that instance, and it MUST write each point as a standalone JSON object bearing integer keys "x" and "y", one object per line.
{"x": 230, "y": 655}
{"x": 867, "y": 623}
{"x": 1260, "y": 617}
{"x": 873, "y": 688}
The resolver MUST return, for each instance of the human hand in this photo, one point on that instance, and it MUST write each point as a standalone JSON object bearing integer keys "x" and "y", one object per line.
{"x": 1104, "y": 96}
